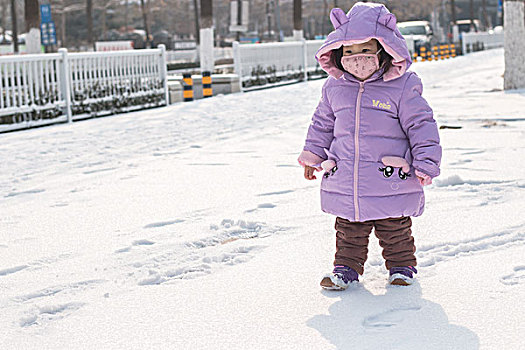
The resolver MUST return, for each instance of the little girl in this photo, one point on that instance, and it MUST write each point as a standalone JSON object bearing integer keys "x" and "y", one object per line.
{"x": 374, "y": 136}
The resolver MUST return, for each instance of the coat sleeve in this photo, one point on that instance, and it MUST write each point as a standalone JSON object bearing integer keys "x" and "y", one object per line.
{"x": 417, "y": 121}
{"x": 321, "y": 130}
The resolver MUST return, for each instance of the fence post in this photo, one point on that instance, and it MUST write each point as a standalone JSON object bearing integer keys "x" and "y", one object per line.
{"x": 305, "y": 59}
{"x": 164, "y": 72}
{"x": 237, "y": 62}
{"x": 65, "y": 81}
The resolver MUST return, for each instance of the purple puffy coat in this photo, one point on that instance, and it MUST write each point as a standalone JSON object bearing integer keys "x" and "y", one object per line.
{"x": 378, "y": 132}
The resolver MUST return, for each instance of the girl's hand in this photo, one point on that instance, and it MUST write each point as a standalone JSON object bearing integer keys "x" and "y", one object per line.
{"x": 424, "y": 180}
{"x": 309, "y": 173}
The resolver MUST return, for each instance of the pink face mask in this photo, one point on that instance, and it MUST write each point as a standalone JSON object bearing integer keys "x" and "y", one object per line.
{"x": 361, "y": 65}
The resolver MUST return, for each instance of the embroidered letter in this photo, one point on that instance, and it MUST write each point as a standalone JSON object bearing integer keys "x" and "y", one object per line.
{"x": 379, "y": 104}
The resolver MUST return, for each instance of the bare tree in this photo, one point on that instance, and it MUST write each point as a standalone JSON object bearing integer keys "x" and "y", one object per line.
{"x": 31, "y": 14}
{"x": 14, "y": 26}
{"x": 197, "y": 17}
{"x": 4, "y": 5}
{"x": 453, "y": 11}
{"x": 62, "y": 8}
{"x": 484, "y": 12}
{"x": 471, "y": 7}
{"x": 89, "y": 18}
{"x": 145, "y": 19}
{"x": 298, "y": 18}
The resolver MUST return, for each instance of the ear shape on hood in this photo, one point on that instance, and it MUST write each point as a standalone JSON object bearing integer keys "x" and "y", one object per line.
{"x": 388, "y": 20}
{"x": 338, "y": 17}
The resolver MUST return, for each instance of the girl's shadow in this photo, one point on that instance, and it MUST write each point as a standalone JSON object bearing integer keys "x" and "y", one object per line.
{"x": 399, "y": 319}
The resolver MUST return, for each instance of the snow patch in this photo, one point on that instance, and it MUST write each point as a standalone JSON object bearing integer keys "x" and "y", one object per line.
{"x": 46, "y": 313}
{"x": 516, "y": 277}
{"x": 14, "y": 194}
{"x": 163, "y": 223}
{"x": 432, "y": 254}
{"x": 11, "y": 270}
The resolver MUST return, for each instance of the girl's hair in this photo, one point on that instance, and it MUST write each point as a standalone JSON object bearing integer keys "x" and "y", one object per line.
{"x": 385, "y": 60}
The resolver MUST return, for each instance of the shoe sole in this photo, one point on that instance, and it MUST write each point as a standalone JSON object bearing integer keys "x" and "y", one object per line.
{"x": 327, "y": 284}
{"x": 400, "y": 280}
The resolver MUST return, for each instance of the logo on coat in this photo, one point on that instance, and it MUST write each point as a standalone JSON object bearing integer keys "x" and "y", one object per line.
{"x": 380, "y": 104}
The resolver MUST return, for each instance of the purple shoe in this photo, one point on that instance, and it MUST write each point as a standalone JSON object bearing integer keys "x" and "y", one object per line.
{"x": 402, "y": 276}
{"x": 340, "y": 278}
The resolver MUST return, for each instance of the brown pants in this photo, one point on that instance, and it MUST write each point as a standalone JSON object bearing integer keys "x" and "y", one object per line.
{"x": 395, "y": 237}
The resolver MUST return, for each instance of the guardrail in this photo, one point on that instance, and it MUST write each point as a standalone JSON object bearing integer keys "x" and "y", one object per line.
{"x": 481, "y": 40}
{"x": 270, "y": 64}
{"x": 38, "y": 90}
{"x": 275, "y": 63}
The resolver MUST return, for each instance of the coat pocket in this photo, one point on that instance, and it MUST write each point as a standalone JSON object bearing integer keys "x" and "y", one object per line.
{"x": 378, "y": 179}
{"x": 339, "y": 179}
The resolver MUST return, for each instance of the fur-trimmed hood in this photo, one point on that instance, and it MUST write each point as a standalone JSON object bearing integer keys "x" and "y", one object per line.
{"x": 363, "y": 22}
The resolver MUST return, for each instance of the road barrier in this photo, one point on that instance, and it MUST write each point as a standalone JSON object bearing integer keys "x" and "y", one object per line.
{"x": 207, "y": 90}
{"x": 271, "y": 64}
{"x": 44, "y": 89}
{"x": 187, "y": 87}
{"x": 435, "y": 53}
{"x": 481, "y": 41}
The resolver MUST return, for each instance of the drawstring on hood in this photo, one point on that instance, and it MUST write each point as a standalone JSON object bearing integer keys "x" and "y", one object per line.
{"x": 365, "y": 21}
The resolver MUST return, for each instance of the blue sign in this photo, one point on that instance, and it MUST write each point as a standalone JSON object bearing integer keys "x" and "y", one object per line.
{"x": 45, "y": 13}
{"x": 48, "y": 33}
{"x": 500, "y": 6}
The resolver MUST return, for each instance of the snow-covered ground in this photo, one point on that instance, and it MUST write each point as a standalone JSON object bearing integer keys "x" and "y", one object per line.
{"x": 191, "y": 227}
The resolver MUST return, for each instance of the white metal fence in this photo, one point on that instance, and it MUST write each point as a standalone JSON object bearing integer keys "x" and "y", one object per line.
{"x": 44, "y": 89}
{"x": 275, "y": 63}
{"x": 481, "y": 40}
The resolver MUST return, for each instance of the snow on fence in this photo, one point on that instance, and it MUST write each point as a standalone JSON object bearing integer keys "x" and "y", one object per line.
{"x": 45, "y": 89}
{"x": 192, "y": 55}
{"x": 275, "y": 63}
{"x": 480, "y": 41}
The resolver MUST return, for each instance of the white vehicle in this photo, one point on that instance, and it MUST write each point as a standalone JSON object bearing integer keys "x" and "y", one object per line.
{"x": 420, "y": 31}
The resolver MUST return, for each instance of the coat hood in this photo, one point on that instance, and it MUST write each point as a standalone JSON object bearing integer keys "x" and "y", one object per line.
{"x": 363, "y": 22}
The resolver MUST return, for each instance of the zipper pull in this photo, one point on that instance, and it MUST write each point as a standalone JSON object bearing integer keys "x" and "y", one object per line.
{"x": 361, "y": 87}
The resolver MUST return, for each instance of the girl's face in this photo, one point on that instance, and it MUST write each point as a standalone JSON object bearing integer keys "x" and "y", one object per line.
{"x": 369, "y": 47}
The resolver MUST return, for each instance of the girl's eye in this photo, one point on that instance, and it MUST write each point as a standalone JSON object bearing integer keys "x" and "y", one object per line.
{"x": 348, "y": 51}
{"x": 365, "y": 50}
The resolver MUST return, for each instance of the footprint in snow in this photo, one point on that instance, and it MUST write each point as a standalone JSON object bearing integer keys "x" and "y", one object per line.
{"x": 142, "y": 242}
{"x": 139, "y": 242}
{"x": 389, "y": 318}
{"x": 516, "y": 277}
{"x": 163, "y": 223}
{"x": 11, "y": 270}
{"x": 48, "y": 313}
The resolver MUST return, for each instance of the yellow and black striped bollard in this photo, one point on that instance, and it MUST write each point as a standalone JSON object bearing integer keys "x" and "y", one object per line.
{"x": 423, "y": 53}
{"x": 442, "y": 52}
{"x": 436, "y": 53}
{"x": 447, "y": 51}
{"x": 207, "y": 90}
{"x": 453, "y": 48}
{"x": 188, "y": 87}
{"x": 415, "y": 57}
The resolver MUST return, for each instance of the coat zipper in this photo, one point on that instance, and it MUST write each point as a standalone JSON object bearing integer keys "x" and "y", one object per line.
{"x": 356, "y": 148}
